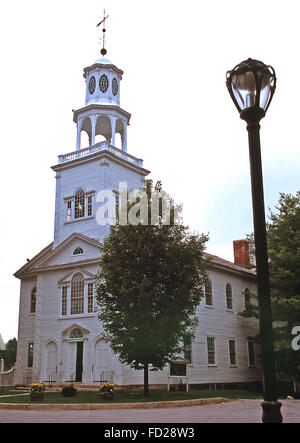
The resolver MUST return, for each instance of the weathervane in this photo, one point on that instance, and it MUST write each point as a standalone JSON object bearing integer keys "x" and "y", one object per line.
{"x": 105, "y": 17}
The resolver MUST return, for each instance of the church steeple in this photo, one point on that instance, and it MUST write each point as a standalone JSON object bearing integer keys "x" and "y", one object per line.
{"x": 102, "y": 114}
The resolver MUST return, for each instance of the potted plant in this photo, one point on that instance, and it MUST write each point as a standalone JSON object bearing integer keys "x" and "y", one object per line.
{"x": 37, "y": 391}
{"x": 107, "y": 391}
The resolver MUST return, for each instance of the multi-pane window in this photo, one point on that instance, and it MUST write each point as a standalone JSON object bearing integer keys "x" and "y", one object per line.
{"x": 229, "y": 296}
{"x": 69, "y": 211}
{"x": 64, "y": 300}
{"x": 78, "y": 251}
{"x": 79, "y": 204}
{"x": 90, "y": 206}
{"x": 77, "y": 294}
{"x": 117, "y": 205}
{"x": 90, "y": 297}
{"x": 232, "y": 352}
{"x": 30, "y": 355}
{"x": 247, "y": 298}
{"x": 251, "y": 353}
{"x": 211, "y": 354}
{"x": 187, "y": 341}
{"x": 33, "y": 301}
{"x": 208, "y": 293}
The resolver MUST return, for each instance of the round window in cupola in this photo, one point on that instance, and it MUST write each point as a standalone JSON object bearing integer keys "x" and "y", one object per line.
{"x": 103, "y": 83}
{"x": 115, "y": 86}
{"x": 92, "y": 85}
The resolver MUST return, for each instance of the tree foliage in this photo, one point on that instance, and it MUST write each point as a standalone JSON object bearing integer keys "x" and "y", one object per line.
{"x": 148, "y": 289}
{"x": 9, "y": 354}
{"x": 283, "y": 237}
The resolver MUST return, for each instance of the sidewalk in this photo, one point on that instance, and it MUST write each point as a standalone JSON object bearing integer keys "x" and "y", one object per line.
{"x": 242, "y": 411}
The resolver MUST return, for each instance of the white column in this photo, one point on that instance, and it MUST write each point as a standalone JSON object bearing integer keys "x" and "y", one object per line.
{"x": 124, "y": 138}
{"x": 113, "y": 130}
{"x": 94, "y": 122}
{"x": 78, "y": 142}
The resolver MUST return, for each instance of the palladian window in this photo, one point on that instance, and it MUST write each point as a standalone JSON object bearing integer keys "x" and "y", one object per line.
{"x": 79, "y": 204}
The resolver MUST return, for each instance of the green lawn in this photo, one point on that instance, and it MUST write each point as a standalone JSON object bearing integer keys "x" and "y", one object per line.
{"x": 130, "y": 396}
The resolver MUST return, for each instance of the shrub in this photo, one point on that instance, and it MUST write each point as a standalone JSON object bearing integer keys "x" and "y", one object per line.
{"x": 68, "y": 391}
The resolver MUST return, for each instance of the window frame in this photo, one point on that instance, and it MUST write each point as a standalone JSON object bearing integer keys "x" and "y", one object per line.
{"x": 88, "y": 202}
{"x": 30, "y": 354}
{"x": 90, "y": 298}
{"x": 210, "y": 337}
{"x": 188, "y": 349}
{"x": 252, "y": 342}
{"x": 232, "y": 353}
{"x": 33, "y": 298}
{"x": 229, "y": 298}
{"x": 64, "y": 301}
{"x": 77, "y": 302}
{"x": 208, "y": 293}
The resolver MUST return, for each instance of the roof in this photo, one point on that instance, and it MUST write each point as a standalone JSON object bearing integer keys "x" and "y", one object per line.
{"x": 218, "y": 262}
{"x": 36, "y": 263}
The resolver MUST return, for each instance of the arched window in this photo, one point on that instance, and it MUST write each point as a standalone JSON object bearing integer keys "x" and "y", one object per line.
{"x": 79, "y": 204}
{"x": 76, "y": 333}
{"x": 208, "y": 293}
{"x": 78, "y": 251}
{"x": 229, "y": 296}
{"x": 77, "y": 294}
{"x": 33, "y": 301}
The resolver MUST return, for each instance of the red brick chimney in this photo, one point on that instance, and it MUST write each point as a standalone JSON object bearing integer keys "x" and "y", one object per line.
{"x": 241, "y": 252}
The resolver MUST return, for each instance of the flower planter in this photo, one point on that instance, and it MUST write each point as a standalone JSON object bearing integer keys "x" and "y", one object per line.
{"x": 37, "y": 396}
{"x": 107, "y": 396}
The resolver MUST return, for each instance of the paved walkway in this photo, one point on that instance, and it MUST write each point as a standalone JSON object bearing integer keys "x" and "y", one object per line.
{"x": 242, "y": 411}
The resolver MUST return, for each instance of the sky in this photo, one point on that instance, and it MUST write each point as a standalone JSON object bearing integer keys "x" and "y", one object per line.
{"x": 175, "y": 56}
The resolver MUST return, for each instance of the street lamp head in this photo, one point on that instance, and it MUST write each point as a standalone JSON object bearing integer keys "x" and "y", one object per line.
{"x": 251, "y": 85}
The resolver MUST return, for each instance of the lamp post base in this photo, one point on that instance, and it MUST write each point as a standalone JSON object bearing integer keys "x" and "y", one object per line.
{"x": 271, "y": 412}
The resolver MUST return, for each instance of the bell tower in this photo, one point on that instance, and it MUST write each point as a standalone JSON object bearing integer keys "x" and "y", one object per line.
{"x": 102, "y": 114}
{"x": 82, "y": 174}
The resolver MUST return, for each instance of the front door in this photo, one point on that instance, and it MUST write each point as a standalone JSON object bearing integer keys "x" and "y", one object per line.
{"x": 75, "y": 364}
{"x": 79, "y": 361}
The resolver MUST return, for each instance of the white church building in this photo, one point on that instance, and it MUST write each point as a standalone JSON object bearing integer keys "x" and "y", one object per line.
{"x": 60, "y": 337}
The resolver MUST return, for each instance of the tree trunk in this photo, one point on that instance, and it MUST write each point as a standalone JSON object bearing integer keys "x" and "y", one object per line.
{"x": 146, "y": 381}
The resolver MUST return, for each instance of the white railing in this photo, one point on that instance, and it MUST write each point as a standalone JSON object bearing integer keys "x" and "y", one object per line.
{"x": 7, "y": 378}
{"x": 98, "y": 147}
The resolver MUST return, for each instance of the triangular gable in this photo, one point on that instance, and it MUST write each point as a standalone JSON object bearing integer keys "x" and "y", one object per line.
{"x": 47, "y": 256}
{"x": 63, "y": 253}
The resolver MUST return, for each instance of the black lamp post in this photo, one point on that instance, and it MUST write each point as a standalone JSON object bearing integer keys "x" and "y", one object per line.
{"x": 251, "y": 85}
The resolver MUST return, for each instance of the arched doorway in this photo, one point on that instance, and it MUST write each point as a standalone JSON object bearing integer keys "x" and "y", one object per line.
{"x": 51, "y": 362}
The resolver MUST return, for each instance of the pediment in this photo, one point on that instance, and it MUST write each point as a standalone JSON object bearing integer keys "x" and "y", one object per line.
{"x": 66, "y": 280}
{"x": 75, "y": 249}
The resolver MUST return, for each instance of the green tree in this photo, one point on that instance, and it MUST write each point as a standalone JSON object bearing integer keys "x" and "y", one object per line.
{"x": 283, "y": 237}
{"x": 149, "y": 287}
{"x": 10, "y": 354}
